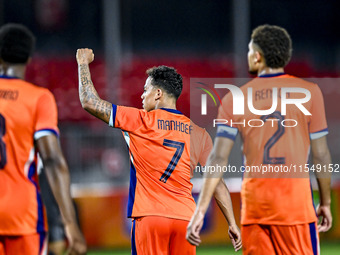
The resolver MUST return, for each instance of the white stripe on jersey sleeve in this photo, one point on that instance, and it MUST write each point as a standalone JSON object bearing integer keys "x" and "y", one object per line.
{"x": 111, "y": 118}
{"x": 42, "y": 133}
{"x": 319, "y": 134}
{"x": 226, "y": 131}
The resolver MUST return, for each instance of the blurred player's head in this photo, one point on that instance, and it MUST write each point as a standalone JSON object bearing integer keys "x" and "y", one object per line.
{"x": 163, "y": 83}
{"x": 270, "y": 46}
{"x": 16, "y": 43}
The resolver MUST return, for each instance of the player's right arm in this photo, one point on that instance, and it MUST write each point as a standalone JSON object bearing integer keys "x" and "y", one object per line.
{"x": 58, "y": 177}
{"x": 218, "y": 156}
{"x": 88, "y": 95}
{"x": 223, "y": 199}
{"x": 322, "y": 157}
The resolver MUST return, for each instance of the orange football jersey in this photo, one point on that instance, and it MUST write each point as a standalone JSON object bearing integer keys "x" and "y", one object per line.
{"x": 164, "y": 147}
{"x": 27, "y": 112}
{"x": 282, "y": 140}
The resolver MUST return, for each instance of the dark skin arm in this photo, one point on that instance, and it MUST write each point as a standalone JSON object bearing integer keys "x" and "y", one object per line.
{"x": 218, "y": 156}
{"x": 88, "y": 95}
{"x": 321, "y": 156}
{"x": 59, "y": 179}
{"x": 223, "y": 199}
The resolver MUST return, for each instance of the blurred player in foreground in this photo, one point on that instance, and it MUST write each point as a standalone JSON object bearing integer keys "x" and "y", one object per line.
{"x": 28, "y": 125}
{"x": 162, "y": 160}
{"x": 277, "y": 216}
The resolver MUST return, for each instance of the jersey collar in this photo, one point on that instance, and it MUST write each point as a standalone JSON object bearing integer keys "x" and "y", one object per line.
{"x": 8, "y": 77}
{"x": 171, "y": 110}
{"x": 271, "y": 75}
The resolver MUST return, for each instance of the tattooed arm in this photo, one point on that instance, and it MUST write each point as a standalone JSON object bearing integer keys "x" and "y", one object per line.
{"x": 88, "y": 95}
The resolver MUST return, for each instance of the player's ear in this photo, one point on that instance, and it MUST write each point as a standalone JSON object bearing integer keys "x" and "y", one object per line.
{"x": 258, "y": 57}
{"x": 158, "y": 94}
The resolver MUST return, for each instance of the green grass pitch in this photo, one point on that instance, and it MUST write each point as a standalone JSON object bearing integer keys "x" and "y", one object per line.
{"x": 327, "y": 248}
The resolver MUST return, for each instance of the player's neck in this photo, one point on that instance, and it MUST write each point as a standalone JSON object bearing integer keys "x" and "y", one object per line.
{"x": 169, "y": 104}
{"x": 269, "y": 70}
{"x": 17, "y": 71}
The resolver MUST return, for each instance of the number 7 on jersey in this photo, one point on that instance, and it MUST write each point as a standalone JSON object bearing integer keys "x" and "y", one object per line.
{"x": 173, "y": 163}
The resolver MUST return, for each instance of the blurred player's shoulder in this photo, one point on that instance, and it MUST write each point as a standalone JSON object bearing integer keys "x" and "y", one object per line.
{"x": 25, "y": 90}
{"x": 23, "y": 85}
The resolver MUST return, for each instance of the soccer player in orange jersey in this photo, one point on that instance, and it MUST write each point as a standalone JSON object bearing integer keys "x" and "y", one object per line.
{"x": 28, "y": 126}
{"x": 164, "y": 147}
{"x": 277, "y": 215}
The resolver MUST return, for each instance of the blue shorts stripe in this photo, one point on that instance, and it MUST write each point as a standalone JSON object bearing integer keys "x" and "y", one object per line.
{"x": 314, "y": 238}
{"x": 40, "y": 210}
{"x": 133, "y": 241}
{"x": 42, "y": 242}
{"x": 132, "y": 189}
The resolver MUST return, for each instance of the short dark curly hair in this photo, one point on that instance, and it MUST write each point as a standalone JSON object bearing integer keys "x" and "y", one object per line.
{"x": 275, "y": 44}
{"x": 166, "y": 78}
{"x": 17, "y": 43}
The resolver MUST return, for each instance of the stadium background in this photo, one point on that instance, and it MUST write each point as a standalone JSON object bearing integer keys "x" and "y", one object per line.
{"x": 200, "y": 38}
